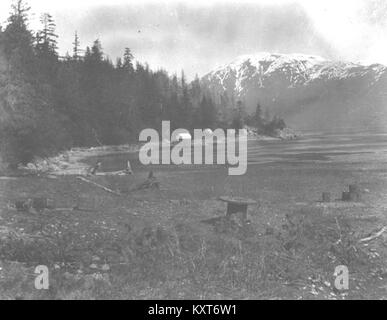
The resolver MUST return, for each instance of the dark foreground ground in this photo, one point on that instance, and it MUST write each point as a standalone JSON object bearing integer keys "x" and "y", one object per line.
{"x": 153, "y": 244}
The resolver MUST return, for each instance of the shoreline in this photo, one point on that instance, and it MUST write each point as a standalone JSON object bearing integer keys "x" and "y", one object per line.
{"x": 71, "y": 162}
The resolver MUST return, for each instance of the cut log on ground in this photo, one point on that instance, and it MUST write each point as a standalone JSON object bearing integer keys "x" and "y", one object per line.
{"x": 364, "y": 217}
{"x": 125, "y": 172}
{"x": 113, "y": 173}
{"x": 213, "y": 221}
{"x": 147, "y": 185}
{"x": 76, "y": 208}
{"x": 100, "y": 186}
{"x": 376, "y": 235}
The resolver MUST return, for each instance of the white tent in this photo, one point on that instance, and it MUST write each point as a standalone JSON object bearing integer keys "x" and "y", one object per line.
{"x": 182, "y": 136}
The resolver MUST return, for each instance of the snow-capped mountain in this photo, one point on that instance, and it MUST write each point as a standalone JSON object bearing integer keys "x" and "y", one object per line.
{"x": 310, "y": 92}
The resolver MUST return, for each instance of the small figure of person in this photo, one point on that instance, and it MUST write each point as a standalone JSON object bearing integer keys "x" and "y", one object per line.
{"x": 150, "y": 183}
{"x": 128, "y": 168}
{"x": 95, "y": 169}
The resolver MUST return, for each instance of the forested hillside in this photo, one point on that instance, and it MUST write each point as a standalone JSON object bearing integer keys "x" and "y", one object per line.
{"x": 49, "y": 103}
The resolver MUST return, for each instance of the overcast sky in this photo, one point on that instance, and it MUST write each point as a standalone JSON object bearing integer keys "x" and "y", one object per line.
{"x": 200, "y": 35}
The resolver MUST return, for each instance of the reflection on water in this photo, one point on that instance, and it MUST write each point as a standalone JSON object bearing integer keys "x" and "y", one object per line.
{"x": 332, "y": 148}
{"x": 341, "y": 148}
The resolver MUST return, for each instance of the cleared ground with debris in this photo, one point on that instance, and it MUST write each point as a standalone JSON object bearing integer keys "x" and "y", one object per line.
{"x": 152, "y": 244}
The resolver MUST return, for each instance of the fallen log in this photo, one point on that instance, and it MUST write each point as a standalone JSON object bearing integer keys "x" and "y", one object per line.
{"x": 76, "y": 208}
{"x": 149, "y": 184}
{"x": 100, "y": 186}
{"x": 113, "y": 173}
{"x": 376, "y": 235}
{"x": 369, "y": 217}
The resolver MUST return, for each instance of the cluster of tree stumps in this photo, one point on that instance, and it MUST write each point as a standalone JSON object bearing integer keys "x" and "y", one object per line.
{"x": 354, "y": 194}
{"x": 33, "y": 205}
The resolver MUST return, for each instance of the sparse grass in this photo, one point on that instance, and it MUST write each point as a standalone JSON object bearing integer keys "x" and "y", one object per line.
{"x": 145, "y": 246}
{"x": 179, "y": 262}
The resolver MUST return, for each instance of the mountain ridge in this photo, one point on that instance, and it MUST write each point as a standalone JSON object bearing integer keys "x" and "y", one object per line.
{"x": 305, "y": 89}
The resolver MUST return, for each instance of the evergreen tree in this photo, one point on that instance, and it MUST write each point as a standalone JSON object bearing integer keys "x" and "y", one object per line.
{"x": 47, "y": 38}
{"x": 87, "y": 53}
{"x": 18, "y": 39}
{"x": 119, "y": 63}
{"x": 128, "y": 60}
{"x": 56, "y": 104}
{"x": 96, "y": 54}
{"x": 31, "y": 125}
{"x": 76, "y": 45}
{"x": 46, "y": 48}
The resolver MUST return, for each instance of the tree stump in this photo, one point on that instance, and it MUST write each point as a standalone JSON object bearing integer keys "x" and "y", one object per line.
{"x": 23, "y": 205}
{"x": 354, "y": 196}
{"x": 41, "y": 204}
{"x": 237, "y": 205}
{"x": 354, "y": 192}
{"x": 346, "y": 196}
{"x": 326, "y": 197}
{"x": 353, "y": 188}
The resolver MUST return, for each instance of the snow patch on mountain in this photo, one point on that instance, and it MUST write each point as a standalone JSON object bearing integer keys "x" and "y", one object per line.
{"x": 305, "y": 89}
{"x": 295, "y": 69}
